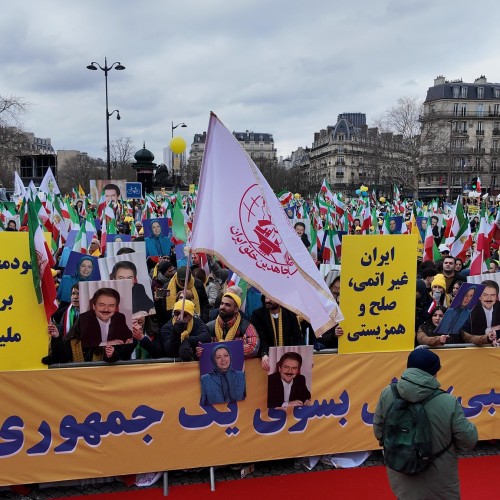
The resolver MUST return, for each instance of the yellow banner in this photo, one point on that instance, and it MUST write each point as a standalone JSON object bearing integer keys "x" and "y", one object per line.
{"x": 23, "y": 327}
{"x": 102, "y": 421}
{"x": 378, "y": 283}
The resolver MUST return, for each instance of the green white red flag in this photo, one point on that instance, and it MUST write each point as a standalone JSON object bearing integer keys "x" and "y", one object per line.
{"x": 41, "y": 263}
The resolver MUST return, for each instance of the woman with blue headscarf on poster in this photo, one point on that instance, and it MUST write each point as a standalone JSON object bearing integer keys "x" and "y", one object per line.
{"x": 83, "y": 272}
{"x": 157, "y": 245}
{"x": 223, "y": 384}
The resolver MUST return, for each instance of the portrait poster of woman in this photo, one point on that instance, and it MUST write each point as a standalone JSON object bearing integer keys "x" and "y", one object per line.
{"x": 118, "y": 238}
{"x": 222, "y": 373}
{"x": 80, "y": 267}
{"x": 459, "y": 311}
{"x": 157, "y": 235}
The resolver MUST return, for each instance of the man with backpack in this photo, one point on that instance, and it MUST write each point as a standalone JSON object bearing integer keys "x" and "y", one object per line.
{"x": 421, "y": 427}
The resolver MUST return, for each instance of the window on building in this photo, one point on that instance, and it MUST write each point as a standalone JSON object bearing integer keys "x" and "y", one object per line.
{"x": 456, "y": 108}
{"x": 463, "y": 109}
{"x": 480, "y": 109}
{"x": 478, "y": 165}
{"x": 480, "y": 128}
{"x": 494, "y": 145}
{"x": 479, "y": 144}
{"x": 493, "y": 180}
{"x": 496, "y": 92}
{"x": 480, "y": 92}
{"x": 493, "y": 164}
{"x": 456, "y": 92}
{"x": 340, "y": 137}
{"x": 496, "y": 110}
{"x": 340, "y": 160}
{"x": 464, "y": 92}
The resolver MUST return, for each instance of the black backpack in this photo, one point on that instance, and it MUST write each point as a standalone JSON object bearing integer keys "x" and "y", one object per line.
{"x": 407, "y": 439}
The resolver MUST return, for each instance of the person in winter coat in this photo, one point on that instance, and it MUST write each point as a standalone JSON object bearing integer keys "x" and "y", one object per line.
{"x": 448, "y": 425}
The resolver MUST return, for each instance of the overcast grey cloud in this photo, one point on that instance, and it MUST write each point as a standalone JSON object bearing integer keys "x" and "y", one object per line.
{"x": 283, "y": 67}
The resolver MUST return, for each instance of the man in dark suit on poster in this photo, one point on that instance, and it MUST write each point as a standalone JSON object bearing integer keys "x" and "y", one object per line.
{"x": 287, "y": 387}
{"x": 103, "y": 323}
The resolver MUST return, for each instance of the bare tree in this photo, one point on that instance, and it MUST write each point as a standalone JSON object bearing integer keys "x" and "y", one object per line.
{"x": 79, "y": 171}
{"x": 403, "y": 121}
{"x": 122, "y": 152}
{"x": 12, "y": 138}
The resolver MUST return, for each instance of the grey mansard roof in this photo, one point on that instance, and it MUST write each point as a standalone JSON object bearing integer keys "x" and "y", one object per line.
{"x": 445, "y": 91}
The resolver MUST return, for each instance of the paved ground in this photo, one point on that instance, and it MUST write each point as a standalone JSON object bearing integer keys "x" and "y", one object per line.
{"x": 269, "y": 468}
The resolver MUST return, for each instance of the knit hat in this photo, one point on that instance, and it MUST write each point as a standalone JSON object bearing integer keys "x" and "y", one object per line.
{"x": 164, "y": 266}
{"x": 234, "y": 297}
{"x": 188, "y": 306}
{"x": 425, "y": 360}
{"x": 439, "y": 280}
{"x": 181, "y": 273}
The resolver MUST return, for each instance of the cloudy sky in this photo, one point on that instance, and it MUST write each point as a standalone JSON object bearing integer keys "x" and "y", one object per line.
{"x": 287, "y": 67}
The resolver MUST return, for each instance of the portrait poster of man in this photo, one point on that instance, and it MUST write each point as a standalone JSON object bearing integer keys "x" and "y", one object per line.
{"x": 114, "y": 189}
{"x": 289, "y": 382}
{"x": 118, "y": 238}
{"x": 131, "y": 266}
{"x": 459, "y": 311}
{"x": 105, "y": 312}
{"x": 290, "y": 211}
{"x": 113, "y": 247}
{"x": 12, "y": 223}
{"x": 157, "y": 235}
{"x": 222, "y": 374}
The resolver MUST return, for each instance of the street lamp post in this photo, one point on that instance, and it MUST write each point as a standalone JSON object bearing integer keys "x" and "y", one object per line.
{"x": 116, "y": 65}
{"x": 182, "y": 125}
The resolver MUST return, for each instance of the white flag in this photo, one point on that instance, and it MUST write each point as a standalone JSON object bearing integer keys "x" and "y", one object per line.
{"x": 19, "y": 189}
{"x": 239, "y": 218}
{"x": 49, "y": 184}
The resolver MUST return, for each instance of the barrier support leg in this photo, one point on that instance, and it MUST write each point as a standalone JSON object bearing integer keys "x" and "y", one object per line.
{"x": 165, "y": 484}
{"x": 212, "y": 479}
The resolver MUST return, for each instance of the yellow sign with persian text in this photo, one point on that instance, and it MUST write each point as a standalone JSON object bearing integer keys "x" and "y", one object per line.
{"x": 378, "y": 283}
{"x": 103, "y": 421}
{"x": 23, "y": 327}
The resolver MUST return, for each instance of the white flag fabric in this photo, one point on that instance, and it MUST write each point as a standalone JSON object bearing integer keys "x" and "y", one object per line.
{"x": 239, "y": 218}
{"x": 49, "y": 184}
{"x": 19, "y": 189}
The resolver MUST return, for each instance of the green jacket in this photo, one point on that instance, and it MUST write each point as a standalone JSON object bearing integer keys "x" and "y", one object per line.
{"x": 447, "y": 422}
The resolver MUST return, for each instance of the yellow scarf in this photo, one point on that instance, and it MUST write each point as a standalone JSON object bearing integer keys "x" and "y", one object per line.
{"x": 219, "y": 332}
{"x": 278, "y": 341}
{"x": 174, "y": 287}
{"x": 77, "y": 352}
{"x": 187, "y": 331}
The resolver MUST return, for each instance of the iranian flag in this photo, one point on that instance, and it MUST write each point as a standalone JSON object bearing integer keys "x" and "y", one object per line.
{"x": 326, "y": 190}
{"x": 285, "y": 197}
{"x": 481, "y": 257}
{"x": 339, "y": 205}
{"x": 81, "y": 245}
{"x": 179, "y": 217}
{"x": 431, "y": 251}
{"x": 235, "y": 280}
{"x": 461, "y": 233}
{"x": 41, "y": 263}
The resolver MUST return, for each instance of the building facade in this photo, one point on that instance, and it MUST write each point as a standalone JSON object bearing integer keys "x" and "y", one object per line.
{"x": 349, "y": 154}
{"x": 35, "y": 158}
{"x": 260, "y": 147}
{"x": 460, "y": 137}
